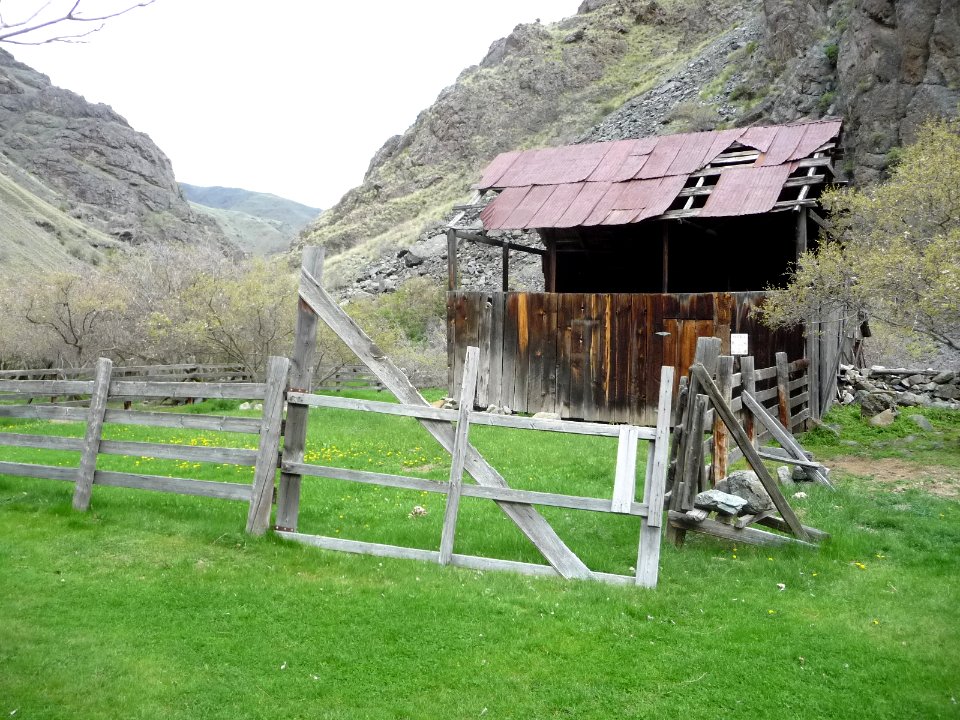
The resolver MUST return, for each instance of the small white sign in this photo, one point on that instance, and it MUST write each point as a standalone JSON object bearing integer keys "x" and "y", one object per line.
{"x": 739, "y": 345}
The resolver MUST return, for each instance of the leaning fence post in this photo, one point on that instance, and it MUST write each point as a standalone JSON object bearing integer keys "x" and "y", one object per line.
{"x": 91, "y": 439}
{"x": 468, "y": 390}
{"x": 720, "y": 452}
{"x": 748, "y": 384}
{"x": 261, "y": 496}
{"x": 301, "y": 378}
{"x": 783, "y": 389}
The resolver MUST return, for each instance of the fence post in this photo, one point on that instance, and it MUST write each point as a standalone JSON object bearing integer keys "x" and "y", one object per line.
{"x": 468, "y": 390}
{"x": 301, "y": 377}
{"x": 718, "y": 467}
{"x": 91, "y": 439}
{"x": 261, "y": 496}
{"x": 813, "y": 369}
{"x": 748, "y": 384}
{"x": 783, "y": 390}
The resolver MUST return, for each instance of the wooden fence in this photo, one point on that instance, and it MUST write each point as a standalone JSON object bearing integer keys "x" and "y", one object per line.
{"x": 104, "y": 387}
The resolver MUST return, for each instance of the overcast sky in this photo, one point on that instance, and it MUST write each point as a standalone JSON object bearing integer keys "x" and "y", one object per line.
{"x": 288, "y": 97}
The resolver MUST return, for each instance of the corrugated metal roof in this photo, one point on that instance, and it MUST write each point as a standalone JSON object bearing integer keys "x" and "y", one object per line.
{"x": 627, "y": 181}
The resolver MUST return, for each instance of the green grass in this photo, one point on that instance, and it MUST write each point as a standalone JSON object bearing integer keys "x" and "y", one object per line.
{"x": 158, "y": 606}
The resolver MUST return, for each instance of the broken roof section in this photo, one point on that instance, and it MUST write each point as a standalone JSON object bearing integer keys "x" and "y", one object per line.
{"x": 723, "y": 173}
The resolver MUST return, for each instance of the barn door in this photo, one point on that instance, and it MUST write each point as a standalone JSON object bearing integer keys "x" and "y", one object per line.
{"x": 680, "y": 345}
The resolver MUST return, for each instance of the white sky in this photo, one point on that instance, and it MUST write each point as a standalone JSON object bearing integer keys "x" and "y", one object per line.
{"x": 287, "y": 97}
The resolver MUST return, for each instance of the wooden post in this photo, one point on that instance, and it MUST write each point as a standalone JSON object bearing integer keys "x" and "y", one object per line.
{"x": 648, "y": 554}
{"x": 530, "y": 522}
{"x": 301, "y": 379}
{"x": 452, "y": 269}
{"x": 91, "y": 439}
{"x": 261, "y": 497}
{"x": 506, "y": 266}
{"x": 468, "y": 389}
{"x": 551, "y": 279}
{"x": 783, "y": 389}
{"x": 718, "y": 468}
{"x": 748, "y": 383}
{"x": 813, "y": 367}
{"x": 801, "y": 234}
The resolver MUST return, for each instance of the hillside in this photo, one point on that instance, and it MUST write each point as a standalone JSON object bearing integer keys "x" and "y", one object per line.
{"x": 258, "y": 223}
{"x": 628, "y": 68}
{"x": 80, "y": 169}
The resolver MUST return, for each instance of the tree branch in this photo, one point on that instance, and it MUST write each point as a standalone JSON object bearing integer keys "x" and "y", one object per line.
{"x": 14, "y": 32}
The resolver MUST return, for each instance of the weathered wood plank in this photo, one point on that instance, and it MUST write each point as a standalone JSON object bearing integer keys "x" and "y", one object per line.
{"x": 191, "y": 453}
{"x": 521, "y": 373}
{"x": 45, "y": 472}
{"x": 41, "y": 442}
{"x": 91, "y": 439}
{"x": 496, "y": 349}
{"x": 47, "y": 387}
{"x": 459, "y": 453}
{"x": 720, "y": 448}
{"x": 483, "y": 368}
{"x": 510, "y": 369}
{"x": 783, "y": 391}
{"x": 265, "y": 470}
{"x": 301, "y": 378}
{"x": 527, "y": 519}
{"x": 729, "y": 532}
{"x": 238, "y": 391}
{"x": 749, "y": 384}
{"x": 176, "y": 485}
{"x": 219, "y": 423}
{"x": 625, "y": 478}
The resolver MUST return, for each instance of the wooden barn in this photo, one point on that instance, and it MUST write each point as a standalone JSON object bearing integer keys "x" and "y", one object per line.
{"x": 649, "y": 244}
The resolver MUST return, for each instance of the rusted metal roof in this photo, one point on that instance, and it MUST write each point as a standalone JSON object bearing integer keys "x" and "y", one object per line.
{"x": 628, "y": 181}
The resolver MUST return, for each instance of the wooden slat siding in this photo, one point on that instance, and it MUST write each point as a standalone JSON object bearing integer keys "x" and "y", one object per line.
{"x": 453, "y": 279}
{"x": 748, "y": 384}
{"x": 648, "y": 552}
{"x": 625, "y": 477}
{"x": 550, "y": 340}
{"x": 176, "y": 485}
{"x": 526, "y": 518}
{"x": 800, "y": 382}
{"x": 43, "y": 412}
{"x": 237, "y": 391}
{"x": 521, "y": 370}
{"x": 191, "y": 453}
{"x": 301, "y": 379}
{"x": 265, "y": 471}
{"x": 41, "y": 442}
{"x": 635, "y": 334}
{"x": 813, "y": 356}
{"x": 536, "y": 334}
{"x": 468, "y": 562}
{"x": 769, "y": 484}
{"x": 460, "y": 335}
{"x": 91, "y": 439}
{"x": 40, "y": 388}
{"x": 496, "y": 349}
{"x": 721, "y": 447}
{"x": 220, "y": 423}
{"x": 592, "y": 355}
{"x": 45, "y": 472}
{"x": 509, "y": 377}
{"x": 783, "y": 391}
{"x": 693, "y": 465}
{"x": 483, "y": 343}
{"x": 564, "y": 353}
{"x": 451, "y": 340}
{"x": 729, "y": 532}
{"x": 458, "y": 453}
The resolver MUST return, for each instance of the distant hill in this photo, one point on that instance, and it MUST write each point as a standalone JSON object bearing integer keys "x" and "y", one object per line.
{"x": 259, "y": 223}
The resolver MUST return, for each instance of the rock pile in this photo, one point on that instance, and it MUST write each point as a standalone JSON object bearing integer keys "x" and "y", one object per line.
{"x": 880, "y": 391}
{"x": 742, "y": 493}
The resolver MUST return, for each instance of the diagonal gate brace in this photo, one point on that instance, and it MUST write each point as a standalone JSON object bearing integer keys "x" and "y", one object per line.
{"x": 530, "y": 522}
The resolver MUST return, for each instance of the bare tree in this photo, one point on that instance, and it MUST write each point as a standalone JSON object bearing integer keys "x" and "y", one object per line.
{"x": 56, "y": 21}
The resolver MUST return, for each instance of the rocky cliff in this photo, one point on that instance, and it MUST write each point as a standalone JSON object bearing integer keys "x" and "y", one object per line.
{"x": 628, "y": 68}
{"x": 85, "y": 162}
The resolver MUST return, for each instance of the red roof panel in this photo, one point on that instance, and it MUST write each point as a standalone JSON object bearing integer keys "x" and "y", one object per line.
{"x": 692, "y": 154}
{"x": 784, "y": 144}
{"x": 529, "y": 205}
{"x": 495, "y": 170}
{"x": 759, "y": 137}
{"x": 665, "y": 194}
{"x": 605, "y": 204}
{"x": 555, "y": 206}
{"x": 608, "y": 168}
{"x": 815, "y": 135}
{"x": 580, "y": 209}
{"x": 553, "y": 166}
{"x": 497, "y": 211}
{"x": 721, "y": 141}
{"x": 745, "y": 190}
{"x": 663, "y": 155}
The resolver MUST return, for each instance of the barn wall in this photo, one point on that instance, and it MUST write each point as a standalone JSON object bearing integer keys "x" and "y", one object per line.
{"x": 595, "y": 356}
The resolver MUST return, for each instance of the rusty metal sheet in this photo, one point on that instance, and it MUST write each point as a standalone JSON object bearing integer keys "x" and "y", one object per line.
{"x": 663, "y": 155}
{"x": 499, "y": 209}
{"x": 528, "y": 206}
{"x": 555, "y": 166}
{"x": 815, "y": 135}
{"x": 607, "y": 170}
{"x": 722, "y": 140}
{"x": 495, "y": 170}
{"x": 605, "y": 204}
{"x": 746, "y": 190}
{"x": 786, "y": 141}
{"x": 692, "y": 154}
{"x": 759, "y": 137}
{"x": 555, "y": 206}
{"x": 665, "y": 194}
{"x": 580, "y": 209}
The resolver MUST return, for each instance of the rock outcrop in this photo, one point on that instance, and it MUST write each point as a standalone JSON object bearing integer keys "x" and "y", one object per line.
{"x": 86, "y": 160}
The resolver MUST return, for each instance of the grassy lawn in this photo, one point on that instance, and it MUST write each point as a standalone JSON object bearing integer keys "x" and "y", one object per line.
{"x": 158, "y": 606}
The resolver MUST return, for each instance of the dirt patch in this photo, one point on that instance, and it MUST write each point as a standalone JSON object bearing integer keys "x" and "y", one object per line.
{"x": 899, "y": 475}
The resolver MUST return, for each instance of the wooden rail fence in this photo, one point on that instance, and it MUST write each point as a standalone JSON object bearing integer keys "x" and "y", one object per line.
{"x": 104, "y": 387}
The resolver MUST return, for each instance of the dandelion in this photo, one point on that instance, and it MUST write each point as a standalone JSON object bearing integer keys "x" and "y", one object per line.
{"x": 771, "y": 612}
{"x": 876, "y": 622}
{"x": 860, "y": 565}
